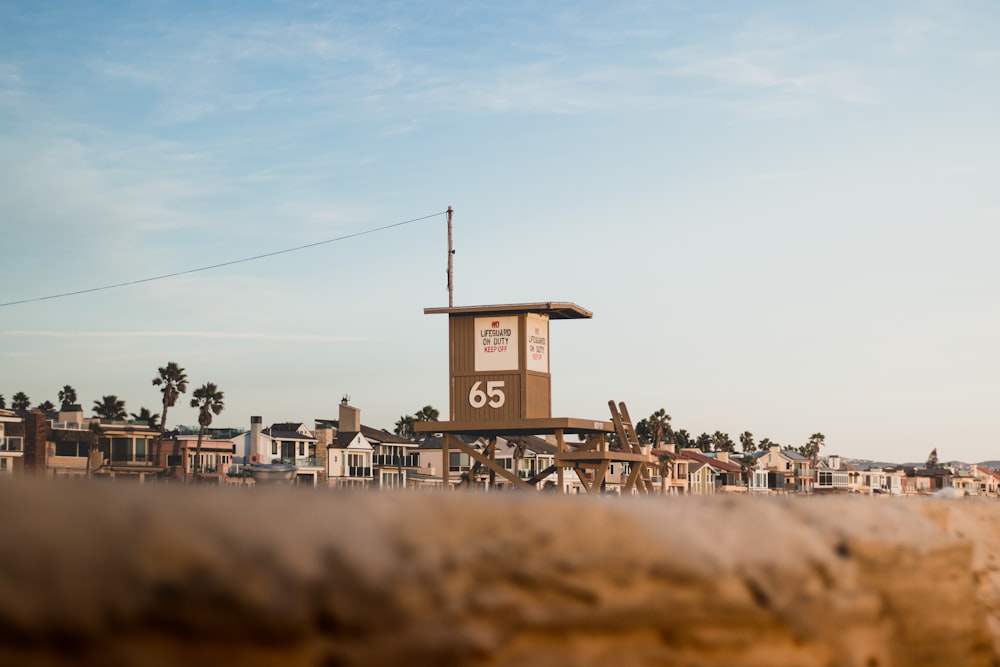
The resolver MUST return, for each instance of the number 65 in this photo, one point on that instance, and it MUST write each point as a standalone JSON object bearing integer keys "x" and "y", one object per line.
{"x": 493, "y": 395}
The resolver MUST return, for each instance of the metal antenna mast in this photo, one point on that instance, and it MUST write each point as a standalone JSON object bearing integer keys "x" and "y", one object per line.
{"x": 451, "y": 254}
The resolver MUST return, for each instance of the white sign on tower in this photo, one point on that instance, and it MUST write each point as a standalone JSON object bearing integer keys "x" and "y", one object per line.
{"x": 496, "y": 343}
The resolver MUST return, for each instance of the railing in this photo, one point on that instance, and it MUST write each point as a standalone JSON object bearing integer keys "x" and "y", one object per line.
{"x": 300, "y": 461}
{"x": 357, "y": 471}
{"x": 805, "y": 472}
{"x": 407, "y": 461}
{"x": 131, "y": 461}
{"x": 71, "y": 426}
{"x": 12, "y": 443}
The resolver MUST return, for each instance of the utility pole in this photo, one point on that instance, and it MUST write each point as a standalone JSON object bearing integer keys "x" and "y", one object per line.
{"x": 451, "y": 254}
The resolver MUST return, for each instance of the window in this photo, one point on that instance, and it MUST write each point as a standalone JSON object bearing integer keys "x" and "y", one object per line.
{"x": 3, "y": 464}
{"x": 274, "y": 448}
{"x": 121, "y": 449}
{"x": 459, "y": 461}
{"x": 302, "y": 449}
{"x": 76, "y": 449}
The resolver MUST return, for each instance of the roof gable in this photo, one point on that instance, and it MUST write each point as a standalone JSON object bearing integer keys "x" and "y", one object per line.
{"x": 351, "y": 440}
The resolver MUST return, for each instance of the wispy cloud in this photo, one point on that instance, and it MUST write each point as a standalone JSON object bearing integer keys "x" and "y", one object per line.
{"x": 214, "y": 335}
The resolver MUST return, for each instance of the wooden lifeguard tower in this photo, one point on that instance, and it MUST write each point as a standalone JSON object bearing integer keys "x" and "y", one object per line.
{"x": 500, "y": 386}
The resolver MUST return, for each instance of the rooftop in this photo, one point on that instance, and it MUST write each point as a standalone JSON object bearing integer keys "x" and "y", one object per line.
{"x": 556, "y": 310}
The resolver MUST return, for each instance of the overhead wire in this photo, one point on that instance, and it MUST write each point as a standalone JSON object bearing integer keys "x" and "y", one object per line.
{"x": 222, "y": 264}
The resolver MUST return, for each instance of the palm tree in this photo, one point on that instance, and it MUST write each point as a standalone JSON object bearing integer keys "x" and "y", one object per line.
{"x": 46, "y": 406}
{"x": 704, "y": 442}
{"x": 67, "y": 396}
{"x": 3, "y": 402}
{"x": 683, "y": 439}
{"x": 208, "y": 399}
{"x": 426, "y": 414}
{"x": 746, "y": 442}
{"x": 110, "y": 407}
{"x": 816, "y": 440}
{"x": 655, "y": 428}
{"x": 666, "y": 468}
{"x": 749, "y": 464}
{"x": 172, "y": 382}
{"x": 722, "y": 442}
{"x": 20, "y": 402}
{"x": 146, "y": 416}
{"x": 404, "y": 426}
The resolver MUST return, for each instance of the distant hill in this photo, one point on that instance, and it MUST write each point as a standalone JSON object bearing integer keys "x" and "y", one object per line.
{"x": 866, "y": 463}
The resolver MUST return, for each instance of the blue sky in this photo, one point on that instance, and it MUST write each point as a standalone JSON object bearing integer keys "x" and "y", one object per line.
{"x": 784, "y": 216}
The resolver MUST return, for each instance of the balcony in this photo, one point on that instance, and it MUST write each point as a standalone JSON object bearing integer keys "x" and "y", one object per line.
{"x": 805, "y": 472}
{"x": 12, "y": 443}
{"x": 301, "y": 461}
{"x": 71, "y": 426}
{"x": 388, "y": 460}
{"x": 139, "y": 461}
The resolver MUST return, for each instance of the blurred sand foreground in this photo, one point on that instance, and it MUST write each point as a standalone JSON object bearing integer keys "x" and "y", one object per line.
{"x": 95, "y": 574}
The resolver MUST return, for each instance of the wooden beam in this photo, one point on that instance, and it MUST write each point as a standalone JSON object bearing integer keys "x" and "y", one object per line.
{"x": 602, "y": 472}
{"x": 492, "y": 465}
{"x": 446, "y": 462}
{"x": 539, "y": 476}
{"x": 470, "y": 477}
{"x": 633, "y": 476}
{"x": 560, "y": 447}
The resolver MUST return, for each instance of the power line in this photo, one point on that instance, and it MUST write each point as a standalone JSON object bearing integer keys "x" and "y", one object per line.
{"x": 230, "y": 263}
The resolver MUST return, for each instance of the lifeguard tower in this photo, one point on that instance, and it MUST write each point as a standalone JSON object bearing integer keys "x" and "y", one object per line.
{"x": 501, "y": 386}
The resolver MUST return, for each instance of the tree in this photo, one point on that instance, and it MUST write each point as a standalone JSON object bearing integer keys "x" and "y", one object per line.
{"x": 932, "y": 461}
{"x": 704, "y": 442}
{"x": 811, "y": 450}
{"x": 666, "y": 468}
{"x": 172, "y": 381}
{"x": 683, "y": 439}
{"x": 655, "y": 428}
{"x": 746, "y": 442}
{"x": 208, "y": 399}
{"x": 722, "y": 442}
{"x": 146, "y": 416}
{"x": 46, "y": 406}
{"x": 404, "y": 426}
{"x": 110, "y": 407}
{"x": 426, "y": 414}
{"x": 20, "y": 402}
{"x": 67, "y": 396}
{"x": 812, "y": 447}
{"x": 748, "y": 463}
{"x": 3, "y": 402}
{"x": 765, "y": 445}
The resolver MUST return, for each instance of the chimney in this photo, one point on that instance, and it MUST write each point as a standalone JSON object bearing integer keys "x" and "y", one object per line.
{"x": 256, "y": 424}
{"x": 722, "y": 456}
{"x": 350, "y": 418}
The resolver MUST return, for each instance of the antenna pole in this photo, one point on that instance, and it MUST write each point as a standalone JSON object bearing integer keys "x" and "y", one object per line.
{"x": 451, "y": 254}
